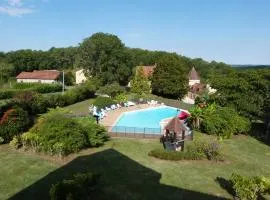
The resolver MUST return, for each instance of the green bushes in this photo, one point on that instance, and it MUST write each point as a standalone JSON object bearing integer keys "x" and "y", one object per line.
{"x": 7, "y": 93}
{"x": 57, "y": 133}
{"x": 216, "y": 120}
{"x": 197, "y": 150}
{"x": 80, "y": 187}
{"x": 13, "y": 122}
{"x": 102, "y": 102}
{"x": 96, "y": 134}
{"x": 224, "y": 122}
{"x": 249, "y": 188}
{"x": 34, "y": 87}
{"x": 112, "y": 90}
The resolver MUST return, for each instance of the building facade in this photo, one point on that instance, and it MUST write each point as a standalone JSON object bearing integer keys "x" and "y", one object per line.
{"x": 80, "y": 76}
{"x": 43, "y": 76}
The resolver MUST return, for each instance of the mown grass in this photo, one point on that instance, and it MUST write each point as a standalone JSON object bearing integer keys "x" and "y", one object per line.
{"x": 129, "y": 173}
{"x": 81, "y": 108}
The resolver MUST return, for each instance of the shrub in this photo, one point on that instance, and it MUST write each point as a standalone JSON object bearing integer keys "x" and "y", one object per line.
{"x": 121, "y": 98}
{"x": 33, "y": 87}
{"x": 102, "y": 102}
{"x": 7, "y": 93}
{"x": 224, "y": 122}
{"x": 54, "y": 128}
{"x": 80, "y": 187}
{"x": 38, "y": 87}
{"x": 13, "y": 122}
{"x": 96, "y": 134}
{"x": 57, "y": 133}
{"x": 197, "y": 150}
{"x": 112, "y": 90}
{"x": 249, "y": 188}
{"x": 16, "y": 142}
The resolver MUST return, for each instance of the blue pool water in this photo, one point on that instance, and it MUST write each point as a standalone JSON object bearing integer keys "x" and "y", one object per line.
{"x": 144, "y": 121}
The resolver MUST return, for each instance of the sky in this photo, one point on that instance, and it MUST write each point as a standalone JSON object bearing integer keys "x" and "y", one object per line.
{"x": 230, "y": 31}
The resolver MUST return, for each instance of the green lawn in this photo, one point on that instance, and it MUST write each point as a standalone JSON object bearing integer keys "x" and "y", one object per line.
{"x": 129, "y": 173}
{"x": 81, "y": 108}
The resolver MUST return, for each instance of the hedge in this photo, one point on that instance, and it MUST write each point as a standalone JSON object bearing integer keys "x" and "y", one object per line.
{"x": 197, "y": 150}
{"x": 37, "y": 87}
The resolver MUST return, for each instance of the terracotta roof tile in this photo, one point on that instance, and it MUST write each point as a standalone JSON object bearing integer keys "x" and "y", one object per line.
{"x": 41, "y": 75}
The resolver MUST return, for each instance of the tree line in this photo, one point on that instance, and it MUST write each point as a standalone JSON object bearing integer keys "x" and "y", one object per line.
{"x": 102, "y": 55}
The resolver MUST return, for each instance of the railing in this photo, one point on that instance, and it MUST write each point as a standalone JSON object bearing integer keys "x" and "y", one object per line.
{"x": 134, "y": 132}
{"x": 139, "y": 132}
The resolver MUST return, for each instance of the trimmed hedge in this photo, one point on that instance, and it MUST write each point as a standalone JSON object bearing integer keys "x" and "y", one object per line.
{"x": 197, "y": 150}
{"x": 81, "y": 186}
{"x": 34, "y": 87}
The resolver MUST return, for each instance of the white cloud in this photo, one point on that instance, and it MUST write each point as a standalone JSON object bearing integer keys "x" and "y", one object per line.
{"x": 15, "y": 11}
{"x": 15, "y": 3}
{"x": 15, "y": 8}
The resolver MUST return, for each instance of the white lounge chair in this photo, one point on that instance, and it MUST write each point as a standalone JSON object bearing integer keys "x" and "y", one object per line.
{"x": 130, "y": 103}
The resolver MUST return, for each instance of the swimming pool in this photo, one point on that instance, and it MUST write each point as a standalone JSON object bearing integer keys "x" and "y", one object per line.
{"x": 145, "y": 120}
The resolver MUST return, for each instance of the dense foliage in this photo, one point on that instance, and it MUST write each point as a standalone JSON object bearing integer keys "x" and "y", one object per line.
{"x": 112, "y": 90}
{"x": 224, "y": 122}
{"x": 29, "y": 104}
{"x": 104, "y": 55}
{"x": 57, "y": 133}
{"x": 140, "y": 84}
{"x": 247, "y": 91}
{"x": 13, "y": 122}
{"x": 34, "y": 87}
{"x": 29, "y": 60}
{"x": 217, "y": 120}
{"x": 170, "y": 77}
{"x": 197, "y": 150}
{"x": 102, "y": 102}
{"x": 249, "y": 188}
{"x": 79, "y": 187}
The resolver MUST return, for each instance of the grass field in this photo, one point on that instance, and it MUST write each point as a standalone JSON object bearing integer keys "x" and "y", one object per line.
{"x": 81, "y": 108}
{"x": 129, "y": 173}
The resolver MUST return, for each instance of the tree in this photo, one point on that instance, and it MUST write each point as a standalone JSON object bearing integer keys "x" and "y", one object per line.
{"x": 6, "y": 71}
{"x": 104, "y": 55}
{"x": 140, "y": 84}
{"x": 112, "y": 90}
{"x": 170, "y": 77}
{"x": 246, "y": 91}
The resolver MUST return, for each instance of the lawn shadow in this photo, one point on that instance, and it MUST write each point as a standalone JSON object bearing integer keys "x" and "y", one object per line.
{"x": 259, "y": 131}
{"x": 121, "y": 178}
{"x": 226, "y": 185}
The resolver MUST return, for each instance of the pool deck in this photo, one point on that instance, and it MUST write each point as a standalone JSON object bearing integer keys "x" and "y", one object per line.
{"x": 113, "y": 115}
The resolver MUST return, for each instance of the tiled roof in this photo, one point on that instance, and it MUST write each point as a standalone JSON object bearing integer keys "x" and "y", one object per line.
{"x": 193, "y": 75}
{"x": 175, "y": 125}
{"x": 41, "y": 75}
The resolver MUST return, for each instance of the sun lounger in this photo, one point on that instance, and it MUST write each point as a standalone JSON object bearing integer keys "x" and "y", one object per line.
{"x": 130, "y": 103}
